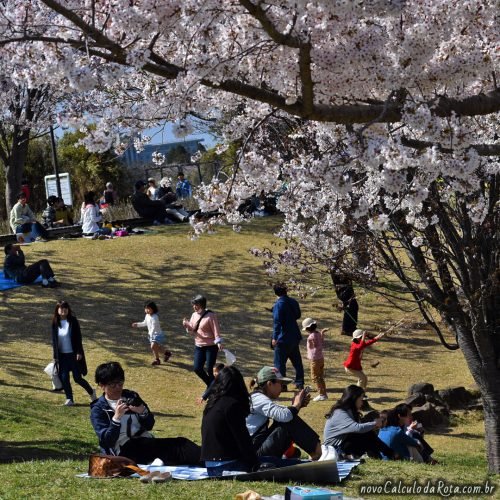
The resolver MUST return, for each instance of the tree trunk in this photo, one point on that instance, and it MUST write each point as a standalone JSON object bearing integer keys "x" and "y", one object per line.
{"x": 491, "y": 402}
{"x": 480, "y": 356}
{"x": 15, "y": 166}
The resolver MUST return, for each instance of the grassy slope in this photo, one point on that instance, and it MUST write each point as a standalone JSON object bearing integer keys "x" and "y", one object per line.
{"x": 106, "y": 282}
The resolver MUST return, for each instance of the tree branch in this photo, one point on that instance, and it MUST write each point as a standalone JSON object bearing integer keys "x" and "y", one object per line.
{"x": 481, "y": 149}
{"x": 481, "y": 104}
{"x": 280, "y": 38}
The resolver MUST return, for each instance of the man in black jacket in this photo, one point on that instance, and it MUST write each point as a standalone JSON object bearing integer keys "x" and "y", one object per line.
{"x": 14, "y": 268}
{"x": 147, "y": 208}
{"x": 123, "y": 421}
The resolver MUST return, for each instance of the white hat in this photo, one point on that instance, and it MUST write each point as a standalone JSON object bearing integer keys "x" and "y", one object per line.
{"x": 357, "y": 334}
{"x": 307, "y": 323}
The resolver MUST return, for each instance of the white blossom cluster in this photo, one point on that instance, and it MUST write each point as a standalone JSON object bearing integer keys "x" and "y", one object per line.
{"x": 158, "y": 158}
{"x": 375, "y": 76}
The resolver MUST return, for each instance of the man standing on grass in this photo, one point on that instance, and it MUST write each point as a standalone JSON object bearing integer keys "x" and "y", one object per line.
{"x": 286, "y": 334}
{"x": 14, "y": 268}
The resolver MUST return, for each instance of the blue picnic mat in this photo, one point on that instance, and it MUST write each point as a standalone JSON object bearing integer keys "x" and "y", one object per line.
{"x": 6, "y": 284}
{"x": 189, "y": 473}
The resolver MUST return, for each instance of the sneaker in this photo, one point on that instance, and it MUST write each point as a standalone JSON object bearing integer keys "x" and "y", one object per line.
{"x": 69, "y": 402}
{"x": 156, "y": 362}
{"x": 167, "y": 356}
{"x": 329, "y": 453}
{"x": 299, "y": 387}
{"x": 39, "y": 239}
{"x": 320, "y": 397}
{"x": 93, "y": 396}
{"x": 54, "y": 283}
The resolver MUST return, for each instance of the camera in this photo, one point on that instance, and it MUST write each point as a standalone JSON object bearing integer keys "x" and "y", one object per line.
{"x": 133, "y": 400}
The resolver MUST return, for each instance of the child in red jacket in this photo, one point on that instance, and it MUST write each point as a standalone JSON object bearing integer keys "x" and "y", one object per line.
{"x": 352, "y": 364}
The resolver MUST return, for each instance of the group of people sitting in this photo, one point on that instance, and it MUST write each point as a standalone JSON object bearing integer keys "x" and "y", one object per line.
{"x": 56, "y": 214}
{"x": 242, "y": 431}
{"x": 160, "y": 204}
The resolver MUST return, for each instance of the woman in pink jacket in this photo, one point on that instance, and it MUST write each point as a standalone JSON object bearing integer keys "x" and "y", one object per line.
{"x": 205, "y": 327}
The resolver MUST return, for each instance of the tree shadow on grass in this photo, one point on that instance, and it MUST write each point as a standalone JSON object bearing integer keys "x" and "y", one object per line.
{"x": 26, "y": 386}
{"x": 44, "y": 450}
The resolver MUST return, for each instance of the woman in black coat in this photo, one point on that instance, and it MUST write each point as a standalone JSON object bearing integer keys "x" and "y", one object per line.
{"x": 226, "y": 444}
{"x": 68, "y": 351}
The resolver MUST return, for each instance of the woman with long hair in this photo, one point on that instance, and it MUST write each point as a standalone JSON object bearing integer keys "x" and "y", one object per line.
{"x": 287, "y": 427}
{"x": 345, "y": 432}
{"x": 226, "y": 443}
{"x": 91, "y": 217}
{"x": 68, "y": 351}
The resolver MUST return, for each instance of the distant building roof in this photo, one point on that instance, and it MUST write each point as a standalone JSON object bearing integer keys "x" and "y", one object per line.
{"x": 134, "y": 159}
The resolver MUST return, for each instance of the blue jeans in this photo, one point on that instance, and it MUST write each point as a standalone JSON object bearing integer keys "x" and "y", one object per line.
{"x": 35, "y": 228}
{"x": 67, "y": 363}
{"x": 284, "y": 352}
{"x": 204, "y": 361}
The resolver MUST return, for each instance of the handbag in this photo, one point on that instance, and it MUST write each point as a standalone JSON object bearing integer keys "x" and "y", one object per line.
{"x": 230, "y": 357}
{"x": 52, "y": 371}
{"x": 113, "y": 466}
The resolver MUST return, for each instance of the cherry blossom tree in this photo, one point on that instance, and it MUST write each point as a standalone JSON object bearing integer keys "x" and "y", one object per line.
{"x": 397, "y": 102}
{"x": 23, "y": 107}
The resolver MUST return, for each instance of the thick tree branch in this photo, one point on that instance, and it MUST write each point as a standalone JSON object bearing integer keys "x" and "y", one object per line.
{"x": 481, "y": 104}
{"x": 280, "y": 38}
{"x": 481, "y": 149}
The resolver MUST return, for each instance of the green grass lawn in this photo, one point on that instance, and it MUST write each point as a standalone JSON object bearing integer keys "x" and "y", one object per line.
{"x": 43, "y": 445}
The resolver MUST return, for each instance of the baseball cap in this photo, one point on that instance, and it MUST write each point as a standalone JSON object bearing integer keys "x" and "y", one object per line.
{"x": 151, "y": 179}
{"x": 357, "y": 334}
{"x": 270, "y": 373}
{"x": 307, "y": 323}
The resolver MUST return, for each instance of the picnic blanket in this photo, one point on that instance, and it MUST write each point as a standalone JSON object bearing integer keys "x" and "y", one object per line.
{"x": 191, "y": 473}
{"x": 6, "y": 284}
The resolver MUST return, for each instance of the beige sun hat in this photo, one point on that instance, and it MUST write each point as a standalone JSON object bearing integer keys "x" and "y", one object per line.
{"x": 357, "y": 334}
{"x": 307, "y": 323}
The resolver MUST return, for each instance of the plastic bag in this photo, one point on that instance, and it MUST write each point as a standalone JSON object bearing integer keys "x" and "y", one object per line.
{"x": 230, "y": 357}
{"x": 51, "y": 371}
